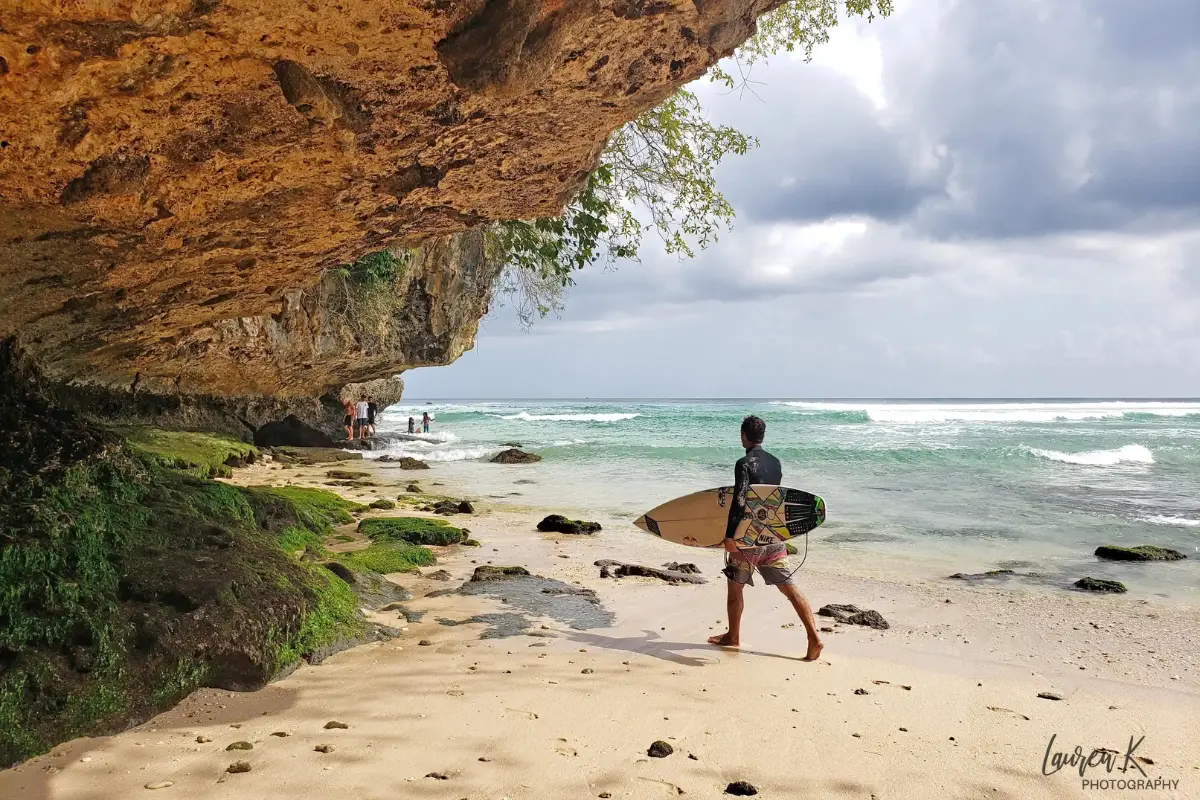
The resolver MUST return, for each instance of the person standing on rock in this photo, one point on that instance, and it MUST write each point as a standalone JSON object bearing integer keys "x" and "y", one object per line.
{"x": 758, "y": 466}
{"x": 362, "y": 410}
{"x": 372, "y": 410}
{"x": 425, "y": 420}
{"x": 348, "y": 407}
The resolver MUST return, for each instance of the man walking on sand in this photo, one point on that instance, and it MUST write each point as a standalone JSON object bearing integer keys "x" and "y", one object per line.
{"x": 758, "y": 466}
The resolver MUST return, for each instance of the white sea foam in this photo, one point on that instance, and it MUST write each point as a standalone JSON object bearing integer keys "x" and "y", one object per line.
{"x": 440, "y": 437}
{"x": 1129, "y": 454}
{"x": 934, "y": 413}
{"x": 1161, "y": 519}
{"x": 450, "y": 454}
{"x": 525, "y": 416}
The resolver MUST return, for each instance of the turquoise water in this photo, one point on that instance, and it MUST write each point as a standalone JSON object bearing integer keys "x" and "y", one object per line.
{"x": 926, "y": 485}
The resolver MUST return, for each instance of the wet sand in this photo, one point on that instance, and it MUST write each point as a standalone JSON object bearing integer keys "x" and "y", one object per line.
{"x": 949, "y": 709}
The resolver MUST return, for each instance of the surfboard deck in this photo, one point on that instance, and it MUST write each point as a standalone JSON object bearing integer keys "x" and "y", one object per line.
{"x": 774, "y": 514}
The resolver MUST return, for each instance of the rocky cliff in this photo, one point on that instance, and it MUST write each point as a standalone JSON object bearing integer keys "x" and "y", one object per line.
{"x": 176, "y": 176}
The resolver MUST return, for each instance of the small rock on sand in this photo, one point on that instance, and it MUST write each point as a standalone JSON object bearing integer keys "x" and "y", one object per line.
{"x": 861, "y": 691}
{"x": 741, "y": 789}
{"x": 437, "y": 776}
{"x": 240, "y": 746}
{"x": 605, "y": 794}
{"x": 484, "y": 759}
{"x": 660, "y": 749}
{"x": 280, "y": 734}
{"x": 160, "y": 785}
{"x": 324, "y": 748}
{"x": 425, "y": 643}
{"x": 413, "y": 489}
{"x": 693, "y": 757}
{"x": 333, "y": 723}
{"x": 1050, "y": 696}
{"x": 853, "y": 615}
{"x": 202, "y": 739}
{"x": 587, "y": 671}
{"x": 238, "y": 767}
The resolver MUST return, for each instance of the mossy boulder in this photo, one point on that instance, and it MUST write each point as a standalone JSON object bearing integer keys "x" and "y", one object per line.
{"x": 488, "y": 572}
{"x": 1099, "y": 585}
{"x": 383, "y": 504}
{"x": 1144, "y": 552}
{"x": 413, "y": 489}
{"x": 348, "y": 475}
{"x": 557, "y": 523}
{"x": 313, "y": 455}
{"x": 413, "y": 530}
{"x": 205, "y": 455}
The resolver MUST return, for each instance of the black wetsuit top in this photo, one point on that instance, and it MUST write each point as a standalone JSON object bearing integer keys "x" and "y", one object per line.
{"x": 757, "y": 466}
{"x": 372, "y": 409}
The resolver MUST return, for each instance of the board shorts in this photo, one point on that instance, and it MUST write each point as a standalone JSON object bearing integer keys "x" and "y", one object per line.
{"x": 362, "y": 421}
{"x": 349, "y": 420}
{"x": 770, "y": 561}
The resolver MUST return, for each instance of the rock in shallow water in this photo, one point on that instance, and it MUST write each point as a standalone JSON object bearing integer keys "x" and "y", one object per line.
{"x": 515, "y": 456}
{"x": 853, "y": 615}
{"x": 1100, "y": 585}
{"x": 1145, "y": 552}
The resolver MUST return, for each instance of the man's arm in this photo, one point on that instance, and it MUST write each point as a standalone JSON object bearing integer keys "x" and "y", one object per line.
{"x": 737, "y": 505}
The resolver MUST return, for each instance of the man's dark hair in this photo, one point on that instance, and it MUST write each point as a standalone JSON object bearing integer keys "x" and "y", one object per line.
{"x": 755, "y": 429}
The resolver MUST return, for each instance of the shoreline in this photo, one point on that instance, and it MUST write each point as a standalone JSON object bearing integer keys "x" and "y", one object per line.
{"x": 1121, "y": 664}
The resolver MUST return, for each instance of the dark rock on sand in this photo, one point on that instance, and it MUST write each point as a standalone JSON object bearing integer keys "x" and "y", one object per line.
{"x": 347, "y": 475}
{"x": 281, "y": 734}
{"x": 413, "y": 489}
{"x": 238, "y": 767}
{"x": 312, "y": 455}
{"x": 557, "y": 523}
{"x": 1050, "y": 695}
{"x": 1144, "y": 552}
{"x": 437, "y": 776}
{"x": 515, "y": 456}
{"x": 978, "y": 576}
{"x": 861, "y": 691}
{"x": 450, "y": 507}
{"x": 240, "y": 746}
{"x": 465, "y": 507}
{"x": 741, "y": 789}
{"x": 404, "y": 462}
{"x": 324, "y": 748}
{"x": 618, "y": 569}
{"x": 1099, "y": 585}
{"x": 438, "y": 575}
{"x": 853, "y": 615}
{"x": 660, "y": 749}
{"x": 334, "y": 724}
{"x": 291, "y": 432}
{"x": 686, "y": 568}
{"x": 491, "y": 573}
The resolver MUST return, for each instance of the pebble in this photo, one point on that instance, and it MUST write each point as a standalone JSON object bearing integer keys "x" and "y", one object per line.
{"x": 333, "y": 723}
{"x": 425, "y": 643}
{"x": 660, "y": 749}
{"x": 240, "y": 746}
{"x": 587, "y": 671}
{"x": 238, "y": 767}
{"x": 324, "y": 748}
{"x": 484, "y": 759}
{"x": 693, "y": 757}
{"x": 280, "y": 734}
{"x": 160, "y": 785}
{"x": 1050, "y": 696}
{"x": 203, "y": 739}
{"x": 437, "y": 776}
{"x": 741, "y": 789}
{"x": 861, "y": 691}
{"x": 605, "y": 794}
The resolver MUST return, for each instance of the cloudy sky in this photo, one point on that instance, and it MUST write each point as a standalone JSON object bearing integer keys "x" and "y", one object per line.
{"x": 966, "y": 199}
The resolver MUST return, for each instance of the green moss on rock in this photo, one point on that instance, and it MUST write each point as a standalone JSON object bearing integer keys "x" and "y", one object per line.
{"x": 205, "y": 455}
{"x": 1144, "y": 552}
{"x": 387, "y": 558}
{"x": 414, "y": 530}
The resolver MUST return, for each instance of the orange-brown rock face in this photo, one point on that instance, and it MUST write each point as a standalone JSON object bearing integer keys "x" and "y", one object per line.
{"x": 172, "y": 171}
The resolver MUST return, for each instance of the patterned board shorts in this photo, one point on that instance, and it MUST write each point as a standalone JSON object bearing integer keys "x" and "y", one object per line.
{"x": 771, "y": 562}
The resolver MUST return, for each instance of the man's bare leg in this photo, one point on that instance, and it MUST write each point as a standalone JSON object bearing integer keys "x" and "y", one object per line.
{"x": 800, "y": 603}
{"x": 734, "y": 603}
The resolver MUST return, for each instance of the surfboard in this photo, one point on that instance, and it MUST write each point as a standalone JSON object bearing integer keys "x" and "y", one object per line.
{"x": 773, "y": 514}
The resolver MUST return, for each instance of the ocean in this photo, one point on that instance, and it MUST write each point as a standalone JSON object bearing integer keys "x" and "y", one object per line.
{"x": 918, "y": 488}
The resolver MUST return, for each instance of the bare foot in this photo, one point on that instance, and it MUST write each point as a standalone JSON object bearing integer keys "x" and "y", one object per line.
{"x": 814, "y": 650}
{"x": 724, "y": 640}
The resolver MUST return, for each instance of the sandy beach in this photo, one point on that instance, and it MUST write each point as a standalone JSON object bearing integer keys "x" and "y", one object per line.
{"x": 942, "y": 704}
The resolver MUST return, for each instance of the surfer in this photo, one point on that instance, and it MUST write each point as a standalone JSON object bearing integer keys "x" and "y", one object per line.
{"x": 758, "y": 466}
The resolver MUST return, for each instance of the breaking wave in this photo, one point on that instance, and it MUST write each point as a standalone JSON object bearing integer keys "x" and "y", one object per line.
{"x": 1161, "y": 519}
{"x": 934, "y": 413}
{"x": 525, "y": 416}
{"x": 1129, "y": 454}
